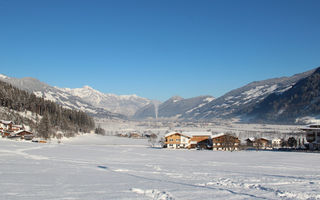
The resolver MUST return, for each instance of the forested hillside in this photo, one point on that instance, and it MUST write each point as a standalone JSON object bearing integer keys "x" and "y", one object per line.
{"x": 303, "y": 99}
{"x": 53, "y": 116}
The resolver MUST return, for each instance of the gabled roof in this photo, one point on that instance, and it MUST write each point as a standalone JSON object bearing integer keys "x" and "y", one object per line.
{"x": 199, "y": 133}
{"x": 6, "y": 122}
{"x": 252, "y": 139}
{"x": 262, "y": 139}
{"x": 218, "y": 135}
{"x": 173, "y": 133}
{"x": 21, "y": 131}
{"x": 190, "y": 134}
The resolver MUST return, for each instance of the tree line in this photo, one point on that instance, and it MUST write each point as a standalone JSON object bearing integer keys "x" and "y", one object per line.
{"x": 50, "y": 117}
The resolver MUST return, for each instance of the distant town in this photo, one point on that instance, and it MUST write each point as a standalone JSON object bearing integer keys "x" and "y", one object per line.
{"x": 308, "y": 139}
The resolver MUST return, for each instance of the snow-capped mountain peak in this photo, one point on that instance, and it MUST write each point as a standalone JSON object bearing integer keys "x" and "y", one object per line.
{"x": 123, "y": 104}
{"x": 3, "y": 76}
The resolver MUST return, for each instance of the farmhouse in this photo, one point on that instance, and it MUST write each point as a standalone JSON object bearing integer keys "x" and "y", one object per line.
{"x": 313, "y": 136}
{"x": 225, "y": 142}
{"x": 16, "y": 127}
{"x": 10, "y": 130}
{"x": 6, "y": 125}
{"x": 250, "y": 141}
{"x": 23, "y": 134}
{"x": 276, "y": 143}
{"x": 176, "y": 140}
{"x": 261, "y": 143}
{"x": 200, "y": 140}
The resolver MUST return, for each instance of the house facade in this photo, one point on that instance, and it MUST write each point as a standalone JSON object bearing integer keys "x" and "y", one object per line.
{"x": 176, "y": 140}
{"x": 262, "y": 143}
{"x": 276, "y": 143}
{"x": 201, "y": 140}
{"x": 313, "y": 136}
{"x": 6, "y": 125}
{"x": 225, "y": 142}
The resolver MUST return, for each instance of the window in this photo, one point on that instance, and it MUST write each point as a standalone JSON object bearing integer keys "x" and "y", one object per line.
{"x": 177, "y": 140}
{"x": 171, "y": 140}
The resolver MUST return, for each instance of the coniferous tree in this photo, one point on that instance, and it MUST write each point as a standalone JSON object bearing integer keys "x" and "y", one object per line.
{"x": 44, "y": 128}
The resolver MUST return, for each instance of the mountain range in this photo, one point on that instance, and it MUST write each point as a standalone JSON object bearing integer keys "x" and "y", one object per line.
{"x": 277, "y": 100}
{"x": 70, "y": 98}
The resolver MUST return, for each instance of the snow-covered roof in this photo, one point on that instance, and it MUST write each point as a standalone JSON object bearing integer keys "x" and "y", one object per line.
{"x": 17, "y": 132}
{"x": 6, "y": 122}
{"x": 198, "y": 133}
{"x": 190, "y": 134}
{"x": 176, "y": 132}
{"x": 262, "y": 138}
{"x": 311, "y": 127}
{"x": 18, "y": 126}
{"x": 218, "y": 135}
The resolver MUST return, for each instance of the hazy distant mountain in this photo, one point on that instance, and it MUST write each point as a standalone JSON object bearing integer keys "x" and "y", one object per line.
{"x": 59, "y": 96}
{"x": 175, "y": 107}
{"x": 123, "y": 104}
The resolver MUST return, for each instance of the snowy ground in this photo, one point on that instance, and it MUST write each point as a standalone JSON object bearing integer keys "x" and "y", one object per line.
{"x": 97, "y": 167}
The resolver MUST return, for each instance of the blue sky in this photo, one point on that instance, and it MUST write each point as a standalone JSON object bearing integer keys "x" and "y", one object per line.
{"x": 158, "y": 48}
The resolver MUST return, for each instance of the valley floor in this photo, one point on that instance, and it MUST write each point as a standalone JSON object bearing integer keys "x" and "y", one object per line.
{"x": 112, "y": 168}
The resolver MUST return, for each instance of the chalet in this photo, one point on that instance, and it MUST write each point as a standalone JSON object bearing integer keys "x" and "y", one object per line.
{"x": 23, "y": 134}
{"x": 200, "y": 140}
{"x": 16, "y": 127}
{"x": 276, "y": 143}
{"x": 135, "y": 135}
{"x": 189, "y": 140}
{"x": 313, "y": 136}
{"x": 6, "y": 125}
{"x": 249, "y": 142}
{"x": 261, "y": 143}
{"x": 10, "y": 130}
{"x": 176, "y": 140}
{"x": 225, "y": 142}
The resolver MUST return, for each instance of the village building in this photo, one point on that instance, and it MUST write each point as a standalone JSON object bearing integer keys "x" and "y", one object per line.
{"x": 176, "y": 140}
{"x": 201, "y": 140}
{"x": 262, "y": 143}
{"x": 10, "y": 130}
{"x": 6, "y": 125}
{"x": 249, "y": 142}
{"x": 135, "y": 135}
{"x": 16, "y": 127}
{"x": 23, "y": 134}
{"x": 225, "y": 142}
{"x": 276, "y": 143}
{"x": 313, "y": 136}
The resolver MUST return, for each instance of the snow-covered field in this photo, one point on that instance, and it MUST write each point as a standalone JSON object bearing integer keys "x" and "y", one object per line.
{"x": 97, "y": 167}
